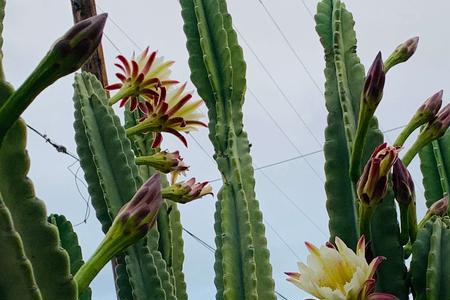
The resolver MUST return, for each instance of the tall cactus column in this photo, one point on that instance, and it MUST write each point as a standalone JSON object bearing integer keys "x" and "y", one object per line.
{"x": 217, "y": 67}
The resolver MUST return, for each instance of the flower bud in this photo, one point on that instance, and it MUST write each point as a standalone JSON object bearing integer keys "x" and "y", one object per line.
{"x": 372, "y": 185}
{"x": 73, "y": 49}
{"x": 164, "y": 161}
{"x": 402, "y": 53}
{"x": 438, "y": 126}
{"x": 429, "y": 109}
{"x": 137, "y": 216}
{"x": 374, "y": 84}
{"x": 439, "y": 208}
{"x": 132, "y": 222}
{"x": 403, "y": 184}
{"x": 67, "y": 55}
{"x": 186, "y": 191}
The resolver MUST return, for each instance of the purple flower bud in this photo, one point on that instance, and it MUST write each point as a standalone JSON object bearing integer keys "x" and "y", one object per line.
{"x": 374, "y": 84}
{"x": 137, "y": 216}
{"x": 402, "y": 183}
{"x": 439, "y": 125}
{"x": 429, "y": 109}
{"x": 439, "y": 208}
{"x": 372, "y": 185}
{"x": 402, "y": 53}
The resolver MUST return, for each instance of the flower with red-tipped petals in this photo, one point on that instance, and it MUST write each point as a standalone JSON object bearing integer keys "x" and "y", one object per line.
{"x": 171, "y": 112}
{"x": 338, "y": 273}
{"x": 140, "y": 79}
{"x": 186, "y": 191}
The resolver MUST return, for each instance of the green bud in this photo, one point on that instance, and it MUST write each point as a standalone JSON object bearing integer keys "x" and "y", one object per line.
{"x": 402, "y": 53}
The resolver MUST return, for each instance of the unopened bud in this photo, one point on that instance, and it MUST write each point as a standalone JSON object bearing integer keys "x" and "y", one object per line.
{"x": 437, "y": 128}
{"x": 374, "y": 83}
{"x": 132, "y": 223}
{"x": 186, "y": 191}
{"x": 402, "y": 183}
{"x": 372, "y": 185}
{"x": 428, "y": 111}
{"x": 402, "y": 53}
{"x": 439, "y": 208}
{"x": 137, "y": 216}
{"x": 77, "y": 45}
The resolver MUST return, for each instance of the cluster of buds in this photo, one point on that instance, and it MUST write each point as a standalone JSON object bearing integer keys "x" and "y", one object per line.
{"x": 186, "y": 191}
{"x": 164, "y": 161}
{"x": 145, "y": 85}
{"x": 437, "y": 122}
{"x": 336, "y": 272}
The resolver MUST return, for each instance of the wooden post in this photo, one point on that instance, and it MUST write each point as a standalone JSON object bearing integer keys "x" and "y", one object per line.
{"x": 83, "y": 9}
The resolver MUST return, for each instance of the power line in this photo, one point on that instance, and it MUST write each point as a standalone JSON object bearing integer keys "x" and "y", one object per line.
{"x": 307, "y": 8}
{"x": 277, "y": 85}
{"x": 288, "y": 43}
{"x": 285, "y": 135}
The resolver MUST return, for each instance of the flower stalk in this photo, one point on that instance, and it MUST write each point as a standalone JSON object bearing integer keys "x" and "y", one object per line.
{"x": 370, "y": 98}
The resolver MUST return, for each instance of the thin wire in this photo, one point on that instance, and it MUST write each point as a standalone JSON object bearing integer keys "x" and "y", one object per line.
{"x": 299, "y": 209}
{"x": 282, "y": 239}
{"x": 78, "y": 180}
{"x": 286, "y": 135}
{"x": 129, "y": 38}
{"x": 277, "y": 85}
{"x": 307, "y": 8}
{"x": 288, "y": 43}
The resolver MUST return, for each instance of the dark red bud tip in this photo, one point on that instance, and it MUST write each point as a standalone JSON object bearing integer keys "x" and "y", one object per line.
{"x": 440, "y": 207}
{"x": 374, "y": 84}
{"x": 403, "y": 184}
{"x": 411, "y": 46}
{"x": 433, "y": 104}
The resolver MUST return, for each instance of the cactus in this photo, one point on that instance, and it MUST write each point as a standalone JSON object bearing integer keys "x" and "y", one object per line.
{"x": 435, "y": 166}
{"x": 69, "y": 241}
{"x": 242, "y": 263}
{"x": 122, "y": 164}
{"x": 429, "y": 266}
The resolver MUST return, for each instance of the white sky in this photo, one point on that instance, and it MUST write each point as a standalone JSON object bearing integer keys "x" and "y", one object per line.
{"x": 31, "y": 26}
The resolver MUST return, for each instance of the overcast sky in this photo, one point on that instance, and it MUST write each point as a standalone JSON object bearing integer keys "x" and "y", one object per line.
{"x": 286, "y": 191}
